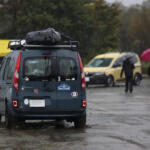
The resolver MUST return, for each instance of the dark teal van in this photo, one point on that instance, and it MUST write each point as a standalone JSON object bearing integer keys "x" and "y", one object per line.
{"x": 42, "y": 82}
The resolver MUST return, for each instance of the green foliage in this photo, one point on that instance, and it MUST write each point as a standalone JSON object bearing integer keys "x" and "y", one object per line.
{"x": 95, "y": 24}
{"x": 105, "y": 26}
{"x": 135, "y": 28}
{"x": 145, "y": 66}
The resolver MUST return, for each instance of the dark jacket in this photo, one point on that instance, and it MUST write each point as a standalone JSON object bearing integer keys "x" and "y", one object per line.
{"x": 127, "y": 68}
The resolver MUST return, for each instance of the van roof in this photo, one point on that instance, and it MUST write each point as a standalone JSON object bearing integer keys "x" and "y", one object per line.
{"x": 4, "y": 50}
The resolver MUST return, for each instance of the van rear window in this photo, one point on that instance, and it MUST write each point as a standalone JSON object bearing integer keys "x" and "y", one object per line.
{"x": 67, "y": 69}
{"x": 38, "y": 68}
{"x": 48, "y": 68}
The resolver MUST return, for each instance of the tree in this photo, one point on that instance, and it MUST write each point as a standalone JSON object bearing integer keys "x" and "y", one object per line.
{"x": 95, "y": 24}
{"x": 140, "y": 29}
{"x": 105, "y": 26}
{"x": 135, "y": 28}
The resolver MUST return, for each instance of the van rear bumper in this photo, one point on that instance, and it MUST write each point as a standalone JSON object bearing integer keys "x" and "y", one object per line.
{"x": 48, "y": 115}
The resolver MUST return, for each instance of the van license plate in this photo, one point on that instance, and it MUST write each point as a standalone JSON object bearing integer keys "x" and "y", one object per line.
{"x": 37, "y": 103}
{"x": 87, "y": 79}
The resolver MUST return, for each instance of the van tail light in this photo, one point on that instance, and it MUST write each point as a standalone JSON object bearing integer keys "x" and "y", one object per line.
{"x": 84, "y": 103}
{"x": 15, "y": 103}
{"x": 83, "y": 83}
{"x": 16, "y": 73}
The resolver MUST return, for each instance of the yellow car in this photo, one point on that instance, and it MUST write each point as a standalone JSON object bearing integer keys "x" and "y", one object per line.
{"x": 106, "y": 69}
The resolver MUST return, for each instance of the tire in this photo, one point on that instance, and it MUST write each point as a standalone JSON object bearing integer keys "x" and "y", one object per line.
{"x": 110, "y": 81}
{"x": 80, "y": 122}
{"x": 137, "y": 79}
{"x": 9, "y": 119}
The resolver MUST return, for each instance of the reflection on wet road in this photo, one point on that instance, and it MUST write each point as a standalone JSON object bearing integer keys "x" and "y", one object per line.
{"x": 115, "y": 120}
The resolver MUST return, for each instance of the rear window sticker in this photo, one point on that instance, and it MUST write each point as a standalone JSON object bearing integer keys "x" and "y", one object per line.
{"x": 74, "y": 94}
{"x": 63, "y": 86}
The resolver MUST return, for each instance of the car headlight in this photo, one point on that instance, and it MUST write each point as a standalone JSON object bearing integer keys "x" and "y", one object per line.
{"x": 99, "y": 73}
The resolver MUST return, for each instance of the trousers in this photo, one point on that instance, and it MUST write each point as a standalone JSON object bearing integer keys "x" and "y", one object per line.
{"x": 129, "y": 83}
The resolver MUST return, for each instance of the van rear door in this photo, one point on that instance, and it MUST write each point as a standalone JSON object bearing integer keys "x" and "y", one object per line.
{"x": 68, "y": 85}
{"x": 38, "y": 81}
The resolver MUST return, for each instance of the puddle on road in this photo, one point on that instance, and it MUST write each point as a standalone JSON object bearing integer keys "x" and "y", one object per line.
{"x": 45, "y": 136}
{"x": 129, "y": 141}
{"x": 31, "y": 136}
{"x": 147, "y": 132}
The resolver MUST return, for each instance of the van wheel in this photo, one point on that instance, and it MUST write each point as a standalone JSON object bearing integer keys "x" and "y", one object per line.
{"x": 9, "y": 119}
{"x": 137, "y": 79}
{"x": 110, "y": 81}
{"x": 80, "y": 122}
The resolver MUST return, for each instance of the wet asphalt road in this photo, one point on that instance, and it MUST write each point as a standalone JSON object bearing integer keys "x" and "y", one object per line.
{"x": 115, "y": 121}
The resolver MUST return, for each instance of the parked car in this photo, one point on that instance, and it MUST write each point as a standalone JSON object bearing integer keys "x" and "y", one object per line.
{"x": 106, "y": 69}
{"x": 42, "y": 82}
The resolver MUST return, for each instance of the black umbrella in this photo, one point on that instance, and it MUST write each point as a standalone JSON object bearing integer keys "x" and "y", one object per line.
{"x": 128, "y": 56}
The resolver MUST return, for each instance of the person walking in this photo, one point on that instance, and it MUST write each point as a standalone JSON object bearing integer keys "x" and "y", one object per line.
{"x": 128, "y": 68}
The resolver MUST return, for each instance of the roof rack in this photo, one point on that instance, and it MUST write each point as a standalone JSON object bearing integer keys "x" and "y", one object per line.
{"x": 21, "y": 44}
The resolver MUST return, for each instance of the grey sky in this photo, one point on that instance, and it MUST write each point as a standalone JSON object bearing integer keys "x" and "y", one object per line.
{"x": 127, "y": 2}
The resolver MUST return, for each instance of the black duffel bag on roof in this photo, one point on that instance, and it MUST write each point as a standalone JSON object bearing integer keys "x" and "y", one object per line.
{"x": 48, "y": 36}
